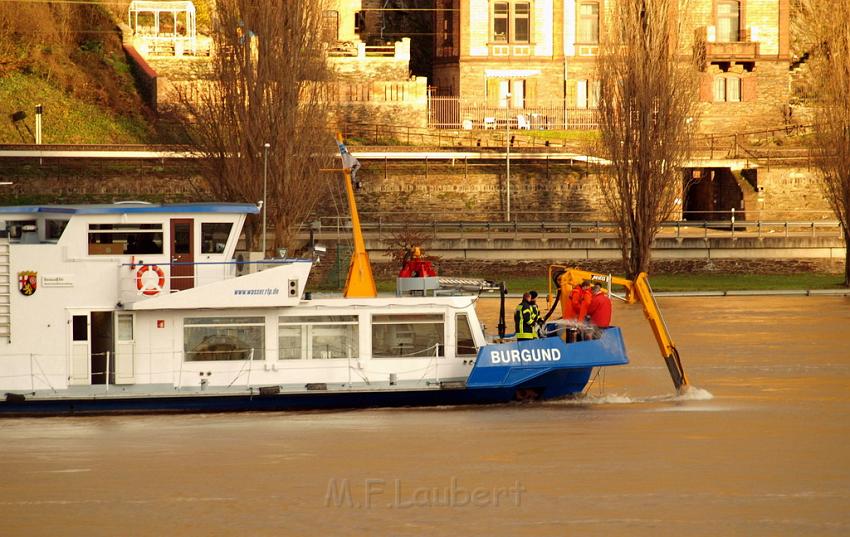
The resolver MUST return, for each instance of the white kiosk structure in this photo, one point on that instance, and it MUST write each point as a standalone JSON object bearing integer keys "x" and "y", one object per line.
{"x": 165, "y": 28}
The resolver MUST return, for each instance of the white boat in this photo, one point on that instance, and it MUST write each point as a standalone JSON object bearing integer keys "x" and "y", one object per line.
{"x": 139, "y": 307}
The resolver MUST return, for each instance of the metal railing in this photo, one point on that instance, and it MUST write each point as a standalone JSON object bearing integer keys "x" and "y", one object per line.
{"x": 383, "y": 228}
{"x": 459, "y": 113}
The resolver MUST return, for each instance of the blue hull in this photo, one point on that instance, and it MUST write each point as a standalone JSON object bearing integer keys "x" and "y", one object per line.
{"x": 555, "y": 385}
{"x": 518, "y": 371}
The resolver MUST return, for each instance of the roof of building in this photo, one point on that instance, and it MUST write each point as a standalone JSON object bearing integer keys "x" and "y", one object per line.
{"x": 144, "y": 5}
{"x": 134, "y": 208}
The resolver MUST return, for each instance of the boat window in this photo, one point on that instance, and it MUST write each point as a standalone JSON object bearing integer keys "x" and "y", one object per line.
{"x": 54, "y": 229}
{"x": 118, "y": 239}
{"x": 214, "y": 236}
{"x": 317, "y": 337}
{"x": 407, "y": 336}
{"x": 125, "y": 327}
{"x": 465, "y": 344}
{"x": 207, "y": 339}
{"x": 16, "y": 228}
{"x": 80, "y": 327}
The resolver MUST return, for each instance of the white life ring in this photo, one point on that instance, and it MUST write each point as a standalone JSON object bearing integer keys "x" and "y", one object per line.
{"x": 150, "y": 279}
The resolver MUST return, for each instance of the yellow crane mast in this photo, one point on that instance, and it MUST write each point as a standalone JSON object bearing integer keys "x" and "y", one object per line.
{"x": 360, "y": 283}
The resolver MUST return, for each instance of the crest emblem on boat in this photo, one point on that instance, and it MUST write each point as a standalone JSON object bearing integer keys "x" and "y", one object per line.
{"x": 27, "y": 282}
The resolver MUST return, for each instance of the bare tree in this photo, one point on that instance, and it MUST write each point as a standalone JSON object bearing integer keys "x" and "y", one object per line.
{"x": 266, "y": 87}
{"x": 647, "y": 99}
{"x": 827, "y": 28}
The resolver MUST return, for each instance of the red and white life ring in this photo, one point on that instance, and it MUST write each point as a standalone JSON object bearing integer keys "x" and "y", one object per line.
{"x": 152, "y": 284}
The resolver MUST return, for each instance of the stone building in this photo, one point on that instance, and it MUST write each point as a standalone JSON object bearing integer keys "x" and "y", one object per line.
{"x": 374, "y": 83}
{"x": 537, "y": 58}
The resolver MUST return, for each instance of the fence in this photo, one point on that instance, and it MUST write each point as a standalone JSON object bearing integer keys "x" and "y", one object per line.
{"x": 387, "y": 225}
{"x": 459, "y": 113}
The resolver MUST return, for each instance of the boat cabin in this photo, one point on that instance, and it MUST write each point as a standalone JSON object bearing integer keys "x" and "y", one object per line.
{"x": 137, "y": 297}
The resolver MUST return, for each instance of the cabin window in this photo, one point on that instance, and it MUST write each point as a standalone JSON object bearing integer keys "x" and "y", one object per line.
{"x": 80, "y": 327}
{"x": 214, "y": 237}
{"x": 465, "y": 344}
{"x": 54, "y": 229}
{"x": 120, "y": 239}
{"x": 16, "y": 228}
{"x": 213, "y": 339}
{"x": 317, "y": 337}
{"x": 407, "y": 336}
{"x": 125, "y": 327}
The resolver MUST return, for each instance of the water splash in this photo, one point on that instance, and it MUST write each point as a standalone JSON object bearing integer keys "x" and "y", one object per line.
{"x": 695, "y": 394}
{"x": 691, "y": 394}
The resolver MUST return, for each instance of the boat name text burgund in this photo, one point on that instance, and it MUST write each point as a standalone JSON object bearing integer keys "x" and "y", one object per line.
{"x": 515, "y": 356}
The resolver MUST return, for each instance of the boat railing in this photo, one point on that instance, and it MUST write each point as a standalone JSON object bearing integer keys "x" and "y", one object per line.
{"x": 45, "y": 372}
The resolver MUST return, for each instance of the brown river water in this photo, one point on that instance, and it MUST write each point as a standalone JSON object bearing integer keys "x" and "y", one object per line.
{"x": 762, "y": 448}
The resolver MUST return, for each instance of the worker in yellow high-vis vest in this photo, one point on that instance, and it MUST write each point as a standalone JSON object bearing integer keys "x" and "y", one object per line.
{"x": 526, "y": 316}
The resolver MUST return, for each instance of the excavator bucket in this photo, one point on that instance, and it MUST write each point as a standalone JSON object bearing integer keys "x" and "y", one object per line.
{"x": 677, "y": 372}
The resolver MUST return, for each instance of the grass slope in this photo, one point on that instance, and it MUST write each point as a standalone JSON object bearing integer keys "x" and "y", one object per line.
{"x": 66, "y": 120}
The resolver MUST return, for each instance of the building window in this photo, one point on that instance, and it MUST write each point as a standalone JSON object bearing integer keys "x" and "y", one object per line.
{"x": 330, "y": 26}
{"x": 511, "y": 93}
{"x": 214, "y": 237}
{"x": 407, "y": 336}
{"x": 587, "y": 93}
{"x": 118, "y": 239}
{"x": 500, "y": 22}
{"x": 448, "y": 24}
{"x": 728, "y": 21}
{"x": 511, "y": 22}
{"x": 522, "y": 27}
{"x": 359, "y": 22}
{"x": 588, "y": 22}
{"x": 316, "y": 338}
{"x": 727, "y": 89}
{"x": 212, "y": 339}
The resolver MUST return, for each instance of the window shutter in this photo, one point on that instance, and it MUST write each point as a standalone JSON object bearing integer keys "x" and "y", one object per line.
{"x": 492, "y": 92}
{"x": 720, "y": 94}
{"x": 530, "y": 92}
{"x": 706, "y": 90}
{"x": 571, "y": 93}
{"x": 749, "y": 88}
{"x": 733, "y": 89}
{"x": 581, "y": 94}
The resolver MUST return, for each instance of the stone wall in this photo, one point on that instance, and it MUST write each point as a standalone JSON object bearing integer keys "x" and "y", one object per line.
{"x": 470, "y": 192}
{"x": 63, "y": 181}
{"x": 792, "y": 193}
{"x": 464, "y": 191}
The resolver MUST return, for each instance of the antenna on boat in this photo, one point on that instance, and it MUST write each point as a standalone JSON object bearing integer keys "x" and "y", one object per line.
{"x": 359, "y": 283}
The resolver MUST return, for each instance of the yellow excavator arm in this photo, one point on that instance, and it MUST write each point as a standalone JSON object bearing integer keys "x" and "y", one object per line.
{"x": 637, "y": 290}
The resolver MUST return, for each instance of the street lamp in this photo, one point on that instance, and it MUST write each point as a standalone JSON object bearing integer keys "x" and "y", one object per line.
{"x": 265, "y": 191}
{"x": 508, "y": 156}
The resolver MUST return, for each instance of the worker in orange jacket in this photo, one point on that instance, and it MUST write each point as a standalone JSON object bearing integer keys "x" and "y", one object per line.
{"x": 580, "y": 298}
